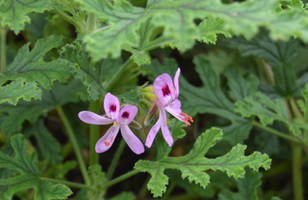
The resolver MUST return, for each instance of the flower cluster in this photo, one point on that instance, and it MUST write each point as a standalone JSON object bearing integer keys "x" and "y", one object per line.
{"x": 167, "y": 94}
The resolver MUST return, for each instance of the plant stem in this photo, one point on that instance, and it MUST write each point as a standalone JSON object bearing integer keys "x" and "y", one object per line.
{"x": 120, "y": 178}
{"x": 75, "y": 145}
{"x": 278, "y": 133}
{"x": 297, "y": 172}
{"x": 169, "y": 191}
{"x": 94, "y": 133}
{"x": 296, "y": 110}
{"x": 115, "y": 159}
{"x": 71, "y": 184}
{"x": 66, "y": 17}
{"x": 3, "y": 49}
{"x": 118, "y": 75}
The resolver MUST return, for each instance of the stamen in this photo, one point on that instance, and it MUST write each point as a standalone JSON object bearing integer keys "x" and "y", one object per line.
{"x": 186, "y": 117}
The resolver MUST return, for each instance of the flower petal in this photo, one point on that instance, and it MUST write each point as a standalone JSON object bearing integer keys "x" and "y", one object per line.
{"x": 105, "y": 142}
{"x": 132, "y": 140}
{"x": 175, "y": 110}
{"x": 164, "y": 127}
{"x": 164, "y": 89}
{"x": 127, "y": 114}
{"x": 92, "y": 118}
{"x": 153, "y": 131}
{"x": 176, "y": 82}
{"x": 111, "y": 106}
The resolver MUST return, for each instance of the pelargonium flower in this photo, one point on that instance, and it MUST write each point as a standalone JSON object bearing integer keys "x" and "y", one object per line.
{"x": 167, "y": 94}
{"x": 120, "y": 119}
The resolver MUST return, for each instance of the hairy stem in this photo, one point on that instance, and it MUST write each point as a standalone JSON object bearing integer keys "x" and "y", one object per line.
{"x": 278, "y": 133}
{"x": 94, "y": 133}
{"x": 70, "y": 184}
{"x": 115, "y": 159}
{"x": 296, "y": 110}
{"x": 169, "y": 190}
{"x": 3, "y": 49}
{"x": 75, "y": 145}
{"x": 297, "y": 172}
{"x": 66, "y": 17}
{"x": 120, "y": 178}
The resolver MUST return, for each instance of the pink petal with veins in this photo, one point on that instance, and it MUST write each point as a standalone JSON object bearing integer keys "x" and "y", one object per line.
{"x": 127, "y": 114}
{"x": 164, "y": 89}
{"x": 105, "y": 142}
{"x": 111, "y": 106}
{"x": 132, "y": 140}
{"x": 92, "y": 118}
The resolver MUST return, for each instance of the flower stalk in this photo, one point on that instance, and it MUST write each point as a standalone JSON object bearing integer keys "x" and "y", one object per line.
{"x": 75, "y": 145}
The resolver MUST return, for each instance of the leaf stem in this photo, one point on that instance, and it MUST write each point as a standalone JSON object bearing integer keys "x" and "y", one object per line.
{"x": 109, "y": 86}
{"x": 169, "y": 191}
{"x": 70, "y": 184}
{"x": 3, "y": 49}
{"x": 75, "y": 145}
{"x": 66, "y": 17}
{"x": 278, "y": 133}
{"x": 115, "y": 159}
{"x": 94, "y": 134}
{"x": 297, "y": 172}
{"x": 120, "y": 178}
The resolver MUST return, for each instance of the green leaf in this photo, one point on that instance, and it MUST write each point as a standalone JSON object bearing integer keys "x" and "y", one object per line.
{"x": 90, "y": 74}
{"x": 194, "y": 164}
{"x": 14, "y": 12}
{"x": 29, "y": 177}
{"x": 31, "y": 66}
{"x": 124, "y": 23}
{"x": 139, "y": 57}
{"x": 273, "y": 111}
{"x": 49, "y": 147}
{"x": 241, "y": 87}
{"x": 124, "y": 196}
{"x": 210, "y": 28}
{"x": 247, "y": 187}
{"x": 18, "y": 89}
{"x": 30, "y": 111}
{"x": 279, "y": 55}
{"x": 97, "y": 180}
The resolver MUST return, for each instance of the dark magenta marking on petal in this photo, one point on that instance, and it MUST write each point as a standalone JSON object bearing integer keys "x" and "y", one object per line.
{"x": 113, "y": 108}
{"x": 125, "y": 115}
{"x": 166, "y": 90}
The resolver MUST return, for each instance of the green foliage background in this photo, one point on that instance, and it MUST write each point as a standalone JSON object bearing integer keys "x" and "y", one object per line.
{"x": 243, "y": 80}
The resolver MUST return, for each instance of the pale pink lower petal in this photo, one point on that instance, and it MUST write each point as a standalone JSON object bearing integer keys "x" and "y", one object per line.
{"x": 127, "y": 114}
{"x": 131, "y": 139}
{"x": 105, "y": 142}
{"x": 92, "y": 118}
{"x": 153, "y": 131}
{"x": 111, "y": 106}
{"x": 176, "y": 82}
{"x": 164, "y": 89}
{"x": 165, "y": 130}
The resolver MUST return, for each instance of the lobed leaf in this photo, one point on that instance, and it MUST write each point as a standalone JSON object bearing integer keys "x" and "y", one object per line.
{"x": 29, "y": 177}
{"x": 18, "y": 89}
{"x": 90, "y": 74}
{"x": 30, "y": 111}
{"x": 279, "y": 55}
{"x": 273, "y": 111}
{"x": 194, "y": 163}
{"x": 14, "y": 12}
{"x": 31, "y": 67}
{"x": 97, "y": 179}
{"x": 49, "y": 147}
{"x": 127, "y": 23}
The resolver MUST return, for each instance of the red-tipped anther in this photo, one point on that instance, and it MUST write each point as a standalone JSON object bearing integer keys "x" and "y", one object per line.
{"x": 187, "y": 123}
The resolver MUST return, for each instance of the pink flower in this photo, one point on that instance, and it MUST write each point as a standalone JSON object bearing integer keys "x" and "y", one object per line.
{"x": 120, "y": 119}
{"x": 167, "y": 95}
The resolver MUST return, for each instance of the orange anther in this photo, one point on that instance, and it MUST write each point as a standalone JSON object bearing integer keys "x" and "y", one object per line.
{"x": 187, "y": 123}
